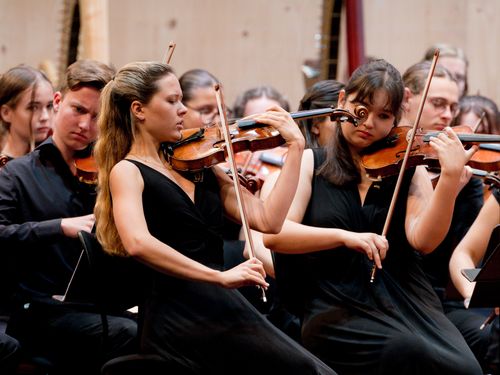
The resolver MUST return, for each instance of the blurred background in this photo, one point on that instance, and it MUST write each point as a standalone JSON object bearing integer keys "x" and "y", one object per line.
{"x": 284, "y": 43}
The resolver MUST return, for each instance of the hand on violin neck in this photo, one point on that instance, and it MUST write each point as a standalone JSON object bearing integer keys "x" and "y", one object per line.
{"x": 282, "y": 121}
{"x": 451, "y": 153}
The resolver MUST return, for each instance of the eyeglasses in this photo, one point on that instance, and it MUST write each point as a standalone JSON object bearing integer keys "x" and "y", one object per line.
{"x": 207, "y": 113}
{"x": 440, "y": 105}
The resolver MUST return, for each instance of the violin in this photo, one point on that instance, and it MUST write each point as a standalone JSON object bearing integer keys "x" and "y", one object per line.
{"x": 204, "y": 147}
{"x": 253, "y": 168}
{"x": 86, "y": 167}
{"x": 384, "y": 157}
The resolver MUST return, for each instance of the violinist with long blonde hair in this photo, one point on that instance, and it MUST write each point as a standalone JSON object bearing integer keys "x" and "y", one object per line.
{"x": 192, "y": 316}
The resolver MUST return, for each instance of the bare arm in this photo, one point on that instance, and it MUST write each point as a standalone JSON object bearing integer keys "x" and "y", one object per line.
{"x": 127, "y": 185}
{"x": 429, "y": 212}
{"x": 268, "y": 216}
{"x": 472, "y": 248}
{"x": 296, "y": 238}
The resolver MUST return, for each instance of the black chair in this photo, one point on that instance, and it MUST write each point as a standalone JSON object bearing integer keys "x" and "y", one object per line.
{"x": 115, "y": 284}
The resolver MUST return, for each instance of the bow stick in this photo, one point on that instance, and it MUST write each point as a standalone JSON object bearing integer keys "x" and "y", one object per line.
{"x": 474, "y": 128}
{"x": 236, "y": 183}
{"x": 169, "y": 53}
{"x": 407, "y": 154}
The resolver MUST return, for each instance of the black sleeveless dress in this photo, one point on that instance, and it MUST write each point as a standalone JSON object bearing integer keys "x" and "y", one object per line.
{"x": 392, "y": 326}
{"x": 201, "y": 326}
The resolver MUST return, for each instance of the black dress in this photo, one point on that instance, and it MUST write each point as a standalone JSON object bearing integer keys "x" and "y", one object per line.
{"x": 201, "y": 326}
{"x": 392, "y": 326}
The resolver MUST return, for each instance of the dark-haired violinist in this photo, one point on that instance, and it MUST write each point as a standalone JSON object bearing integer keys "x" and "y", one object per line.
{"x": 42, "y": 208}
{"x": 394, "y": 325}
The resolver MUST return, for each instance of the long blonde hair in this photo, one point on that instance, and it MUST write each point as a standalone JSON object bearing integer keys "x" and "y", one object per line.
{"x": 135, "y": 81}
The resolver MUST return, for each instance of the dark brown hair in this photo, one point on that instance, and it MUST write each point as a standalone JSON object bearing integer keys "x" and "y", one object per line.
{"x": 322, "y": 94}
{"x": 339, "y": 167}
{"x": 86, "y": 73}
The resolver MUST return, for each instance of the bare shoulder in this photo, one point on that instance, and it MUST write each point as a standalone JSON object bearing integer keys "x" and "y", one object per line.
{"x": 307, "y": 166}
{"x": 125, "y": 172}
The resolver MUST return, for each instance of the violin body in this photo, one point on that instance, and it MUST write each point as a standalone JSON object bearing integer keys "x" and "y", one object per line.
{"x": 256, "y": 166}
{"x": 207, "y": 147}
{"x": 86, "y": 166}
{"x": 384, "y": 157}
{"x": 86, "y": 170}
{"x": 202, "y": 148}
{"x": 265, "y": 162}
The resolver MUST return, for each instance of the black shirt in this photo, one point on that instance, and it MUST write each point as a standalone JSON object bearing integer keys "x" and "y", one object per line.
{"x": 37, "y": 191}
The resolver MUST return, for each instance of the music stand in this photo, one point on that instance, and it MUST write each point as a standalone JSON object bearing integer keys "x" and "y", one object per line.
{"x": 77, "y": 288}
{"x": 487, "y": 278}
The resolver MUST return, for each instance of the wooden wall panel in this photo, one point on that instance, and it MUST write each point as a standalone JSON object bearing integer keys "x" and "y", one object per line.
{"x": 29, "y": 31}
{"x": 243, "y": 43}
{"x": 246, "y": 43}
{"x": 401, "y": 31}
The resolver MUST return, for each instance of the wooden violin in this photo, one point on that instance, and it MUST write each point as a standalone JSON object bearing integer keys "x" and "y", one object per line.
{"x": 384, "y": 157}
{"x": 204, "y": 147}
{"x": 86, "y": 167}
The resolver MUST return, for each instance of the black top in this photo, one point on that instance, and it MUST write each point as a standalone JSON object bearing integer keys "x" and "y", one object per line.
{"x": 496, "y": 194}
{"x": 202, "y": 326}
{"x": 393, "y": 325}
{"x": 36, "y": 192}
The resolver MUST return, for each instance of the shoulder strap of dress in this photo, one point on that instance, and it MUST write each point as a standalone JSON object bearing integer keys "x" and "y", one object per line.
{"x": 319, "y": 157}
{"x": 496, "y": 193}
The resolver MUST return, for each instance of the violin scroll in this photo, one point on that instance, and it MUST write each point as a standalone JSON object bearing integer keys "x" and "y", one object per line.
{"x": 361, "y": 112}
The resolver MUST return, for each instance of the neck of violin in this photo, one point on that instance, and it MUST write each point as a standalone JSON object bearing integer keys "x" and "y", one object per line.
{"x": 300, "y": 115}
{"x": 469, "y": 138}
{"x": 480, "y": 138}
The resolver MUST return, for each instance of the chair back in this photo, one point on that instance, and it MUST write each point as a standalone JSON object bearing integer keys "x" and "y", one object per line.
{"x": 116, "y": 282}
